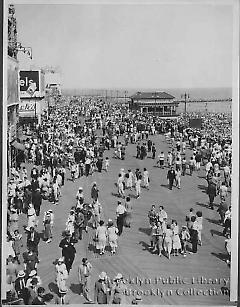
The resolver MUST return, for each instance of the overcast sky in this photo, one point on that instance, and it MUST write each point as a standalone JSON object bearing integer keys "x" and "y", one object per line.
{"x": 130, "y": 46}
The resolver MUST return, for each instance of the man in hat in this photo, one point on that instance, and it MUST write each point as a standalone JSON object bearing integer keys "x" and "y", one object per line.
{"x": 171, "y": 175}
{"x": 33, "y": 275}
{"x": 30, "y": 261}
{"x": 84, "y": 276}
{"x": 20, "y": 286}
{"x": 33, "y": 239}
{"x": 62, "y": 299}
{"x": 68, "y": 250}
{"x": 37, "y": 200}
{"x": 79, "y": 224}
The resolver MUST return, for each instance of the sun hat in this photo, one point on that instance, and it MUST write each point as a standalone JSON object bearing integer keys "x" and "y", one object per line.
{"x": 21, "y": 273}
{"x": 63, "y": 290}
{"x": 138, "y": 298}
{"x": 103, "y": 275}
{"x": 61, "y": 259}
{"x": 32, "y": 273}
{"x": 118, "y": 276}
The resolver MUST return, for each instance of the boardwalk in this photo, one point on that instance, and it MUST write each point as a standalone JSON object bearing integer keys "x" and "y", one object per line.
{"x": 159, "y": 280}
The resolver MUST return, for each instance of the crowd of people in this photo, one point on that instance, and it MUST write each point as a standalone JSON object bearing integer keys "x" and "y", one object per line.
{"x": 65, "y": 144}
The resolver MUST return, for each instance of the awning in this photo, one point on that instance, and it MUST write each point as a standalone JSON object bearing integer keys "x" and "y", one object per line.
{"x": 23, "y": 137}
{"x": 18, "y": 146}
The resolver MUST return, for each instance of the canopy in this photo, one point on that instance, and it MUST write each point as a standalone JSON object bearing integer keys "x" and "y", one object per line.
{"x": 18, "y": 146}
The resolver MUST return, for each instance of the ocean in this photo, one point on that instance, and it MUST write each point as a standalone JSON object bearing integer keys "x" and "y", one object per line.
{"x": 194, "y": 93}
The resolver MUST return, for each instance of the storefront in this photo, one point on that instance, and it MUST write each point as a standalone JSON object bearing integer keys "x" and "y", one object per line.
{"x": 12, "y": 111}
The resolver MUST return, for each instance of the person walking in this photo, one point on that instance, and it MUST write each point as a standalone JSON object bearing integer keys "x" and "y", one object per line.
{"x": 212, "y": 193}
{"x": 184, "y": 238}
{"x": 171, "y": 175}
{"x": 84, "y": 277}
{"x": 48, "y": 225}
{"x": 61, "y": 273}
{"x": 176, "y": 244}
{"x": 146, "y": 179}
{"x": 101, "y": 237}
{"x": 96, "y": 213}
{"x": 128, "y": 213}
{"x": 167, "y": 241}
{"x": 112, "y": 233}
{"x": 78, "y": 224}
{"x": 120, "y": 211}
{"x": 68, "y": 250}
{"x": 120, "y": 186}
{"x": 94, "y": 192}
{"x": 102, "y": 289}
{"x": 33, "y": 239}
{"x": 138, "y": 185}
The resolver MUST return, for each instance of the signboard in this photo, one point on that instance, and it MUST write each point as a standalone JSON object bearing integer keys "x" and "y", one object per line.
{"x": 31, "y": 83}
{"x": 12, "y": 82}
{"x": 195, "y": 123}
{"x": 31, "y": 107}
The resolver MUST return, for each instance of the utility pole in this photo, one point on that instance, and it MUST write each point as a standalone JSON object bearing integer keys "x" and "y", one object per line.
{"x": 185, "y": 96}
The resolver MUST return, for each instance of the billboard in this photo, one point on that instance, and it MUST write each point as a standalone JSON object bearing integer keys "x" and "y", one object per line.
{"x": 31, "y": 83}
{"x": 31, "y": 107}
{"x": 12, "y": 82}
{"x": 195, "y": 123}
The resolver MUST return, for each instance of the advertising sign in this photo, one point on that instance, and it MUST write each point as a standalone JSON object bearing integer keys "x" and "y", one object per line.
{"x": 195, "y": 123}
{"x": 31, "y": 83}
{"x": 12, "y": 82}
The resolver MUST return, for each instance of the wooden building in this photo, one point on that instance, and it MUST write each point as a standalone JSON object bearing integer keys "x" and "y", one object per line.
{"x": 159, "y": 103}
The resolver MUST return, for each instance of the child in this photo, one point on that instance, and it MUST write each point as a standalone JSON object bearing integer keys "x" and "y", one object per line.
{"x": 106, "y": 162}
{"x": 184, "y": 237}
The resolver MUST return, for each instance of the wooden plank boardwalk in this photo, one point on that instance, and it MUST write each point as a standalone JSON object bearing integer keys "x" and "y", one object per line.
{"x": 133, "y": 258}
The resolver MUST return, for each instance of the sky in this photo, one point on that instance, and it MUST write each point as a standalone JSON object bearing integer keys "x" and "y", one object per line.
{"x": 130, "y": 45}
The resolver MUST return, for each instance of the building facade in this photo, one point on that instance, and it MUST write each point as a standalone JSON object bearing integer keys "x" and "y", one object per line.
{"x": 156, "y": 103}
{"x": 14, "y": 150}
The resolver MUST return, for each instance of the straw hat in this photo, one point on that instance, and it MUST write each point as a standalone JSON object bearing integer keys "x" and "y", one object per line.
{"x": 63, "y": 290}
{"x": 32, "y": 273}
{"x": 103, "y": 275}
{"x": 61, "y": 259}
{"x": 21, "y": 273}
{"x": 118, "y": 276}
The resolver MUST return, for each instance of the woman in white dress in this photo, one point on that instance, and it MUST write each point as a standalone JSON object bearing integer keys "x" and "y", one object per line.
{"x": 61, "y": 273}
{"x": 175, "y": 238}
{"x": 168, "y": 240}
{"x": 101, "y": 237}
{"x": 112, "y": 232}
{"x": 70, "y": 222}
{"x": 31, "y": 215}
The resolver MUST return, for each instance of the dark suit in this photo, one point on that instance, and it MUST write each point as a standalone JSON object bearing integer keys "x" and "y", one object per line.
{"x": 171, "y": 175}
{"x": 68, "y": 252}
{"x": 37, "y": 201}
{"x": 33, "y": 239}
{"x": 20, "y": 287}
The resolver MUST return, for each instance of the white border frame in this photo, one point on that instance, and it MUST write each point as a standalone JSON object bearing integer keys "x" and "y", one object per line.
{"x": 235, "y": 120}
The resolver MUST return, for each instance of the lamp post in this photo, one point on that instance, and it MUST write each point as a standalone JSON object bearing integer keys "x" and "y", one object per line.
{"x": 185, "y": 96}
